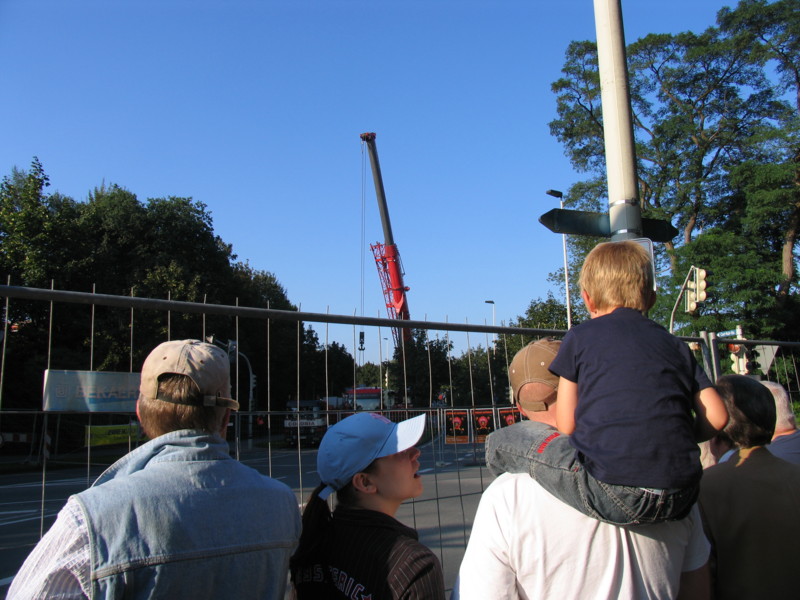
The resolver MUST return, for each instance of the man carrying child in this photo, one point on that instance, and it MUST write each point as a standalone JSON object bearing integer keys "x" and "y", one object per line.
{"x": 525, "y": 543}
{"x": 626, "y": 397}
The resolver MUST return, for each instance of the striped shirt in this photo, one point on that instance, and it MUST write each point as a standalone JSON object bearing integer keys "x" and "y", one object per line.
{"x": 59, "y": 566}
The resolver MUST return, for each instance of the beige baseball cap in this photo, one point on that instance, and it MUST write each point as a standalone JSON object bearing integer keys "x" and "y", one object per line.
{"x": 205, "y": 364}
{"x": 532, "y": 365}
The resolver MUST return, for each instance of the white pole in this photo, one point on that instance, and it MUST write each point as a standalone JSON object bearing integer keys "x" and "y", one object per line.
{"x": 560, "y": 196}
{"x": 624, "y": 212}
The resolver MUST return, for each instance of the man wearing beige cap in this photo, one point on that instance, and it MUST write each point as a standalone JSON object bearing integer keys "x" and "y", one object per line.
{"x": 525, "y": 543}
{"x": 533, "y": 385}
{"x": 177, "y": 517}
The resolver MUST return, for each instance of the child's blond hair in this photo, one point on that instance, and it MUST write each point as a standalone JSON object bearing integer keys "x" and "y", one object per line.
{"x": 618, "y": 274}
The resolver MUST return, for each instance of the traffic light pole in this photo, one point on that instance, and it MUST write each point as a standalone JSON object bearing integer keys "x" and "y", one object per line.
{"x": 679, "y": 298}
{"x": 710, "y": 364}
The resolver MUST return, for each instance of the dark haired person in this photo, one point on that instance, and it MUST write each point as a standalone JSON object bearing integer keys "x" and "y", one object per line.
{"x": 361, "y": 550}
{"x": 177, "y": 517}
{"x": 751, "y": 502}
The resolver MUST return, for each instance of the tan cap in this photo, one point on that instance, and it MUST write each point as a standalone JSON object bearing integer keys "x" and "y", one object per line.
{"x": 205, "y": 364}
{"x": 531, "y": 365}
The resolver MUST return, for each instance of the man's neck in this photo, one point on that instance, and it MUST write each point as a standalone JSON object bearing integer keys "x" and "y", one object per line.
{"x": 547, "y": 417}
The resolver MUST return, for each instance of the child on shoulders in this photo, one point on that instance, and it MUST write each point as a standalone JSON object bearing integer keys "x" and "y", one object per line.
{"x": 627, "y": 390}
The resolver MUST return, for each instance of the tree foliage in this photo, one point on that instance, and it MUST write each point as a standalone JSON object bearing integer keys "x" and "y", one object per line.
{"x": 771, "y": 32}
{"x": 370, "y": 375}
{"x": 421, "y": 368}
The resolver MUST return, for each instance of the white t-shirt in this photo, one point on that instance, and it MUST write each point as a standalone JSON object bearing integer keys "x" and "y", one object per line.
{"x": 525, "y": 543}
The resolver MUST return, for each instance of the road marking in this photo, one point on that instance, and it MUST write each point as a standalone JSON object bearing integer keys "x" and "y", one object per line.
{"x": 17, "y": 512}
{"x": 38, "y": 484}
{"x": 33, "y": 518}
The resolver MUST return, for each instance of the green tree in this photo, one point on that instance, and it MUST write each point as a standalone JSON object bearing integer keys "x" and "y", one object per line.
{"x": 369, "y": 375}
{"x": 468, "y": 387}
{"x": 771, "y": 34}
{"x": 542, "y": 313}
{"x": 37, "y": 231}
{"x": 340, "y": 364}
{"x": 420, "y": 367}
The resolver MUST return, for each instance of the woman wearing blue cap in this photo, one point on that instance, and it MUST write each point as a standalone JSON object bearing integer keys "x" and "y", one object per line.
{"x": 361, "y": 550}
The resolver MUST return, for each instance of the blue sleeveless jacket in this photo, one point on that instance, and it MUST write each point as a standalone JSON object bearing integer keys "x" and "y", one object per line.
{"x": 179, "y": 518}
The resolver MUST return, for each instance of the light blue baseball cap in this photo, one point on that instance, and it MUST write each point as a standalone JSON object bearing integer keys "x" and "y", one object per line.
{"x": 350, "y": 445}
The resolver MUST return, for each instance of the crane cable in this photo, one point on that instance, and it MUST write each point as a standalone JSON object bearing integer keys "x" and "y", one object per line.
{"x": 362, "y": 246}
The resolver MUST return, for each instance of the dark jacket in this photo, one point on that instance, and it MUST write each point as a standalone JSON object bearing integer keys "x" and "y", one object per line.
{"x": 370, "y": 555}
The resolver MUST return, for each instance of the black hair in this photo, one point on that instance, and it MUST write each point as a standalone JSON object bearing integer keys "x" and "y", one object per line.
{"x": 751, "y": 410}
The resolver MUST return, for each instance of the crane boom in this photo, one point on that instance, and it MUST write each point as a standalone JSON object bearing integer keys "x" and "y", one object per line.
{"x": 387, "y": 256}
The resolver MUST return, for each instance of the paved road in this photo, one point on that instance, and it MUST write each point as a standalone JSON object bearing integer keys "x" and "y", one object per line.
{"x": 453, "y": 476}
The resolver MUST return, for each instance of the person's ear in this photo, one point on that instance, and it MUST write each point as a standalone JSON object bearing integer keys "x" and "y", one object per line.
{"x": 223, "y": 432}
{"x": 363, "y": 483}
{"x": 139, "y": 416}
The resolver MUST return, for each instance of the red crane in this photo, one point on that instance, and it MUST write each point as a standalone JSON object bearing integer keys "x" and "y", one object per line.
{"x": 387, "y": 256}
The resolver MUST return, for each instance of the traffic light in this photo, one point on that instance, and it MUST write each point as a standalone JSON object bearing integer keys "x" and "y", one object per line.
{"x": 696, "y": 289}
{"x": 738, "y": 364}
{"x": 751, "y": 363}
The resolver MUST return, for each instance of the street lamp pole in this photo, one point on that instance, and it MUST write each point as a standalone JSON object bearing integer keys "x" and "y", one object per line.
{"x": 387, "y": 359}
{"x": 560, "y": 196}
{"x": 494, "y": 335}
{"x": 251, "y": 385}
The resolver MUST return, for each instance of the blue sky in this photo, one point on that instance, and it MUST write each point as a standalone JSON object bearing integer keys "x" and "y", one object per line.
{"x": 255, "y": 109}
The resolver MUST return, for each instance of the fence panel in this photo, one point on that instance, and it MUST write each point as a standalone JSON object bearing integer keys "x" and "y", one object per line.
{"x": 454, "y": 373}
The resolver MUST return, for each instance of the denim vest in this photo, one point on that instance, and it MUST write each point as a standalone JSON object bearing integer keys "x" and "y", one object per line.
{"x": 179, "y": 518}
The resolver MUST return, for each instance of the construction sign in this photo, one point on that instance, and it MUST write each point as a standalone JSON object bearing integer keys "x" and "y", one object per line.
{"x": 456, "y": 426}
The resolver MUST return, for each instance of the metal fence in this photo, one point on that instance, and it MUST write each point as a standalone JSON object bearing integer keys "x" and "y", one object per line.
{"x": 54, "y": 453}
{"x": 58, "y": 454}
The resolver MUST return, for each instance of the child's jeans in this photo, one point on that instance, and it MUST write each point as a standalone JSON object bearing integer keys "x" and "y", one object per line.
{"x": 544, "y": 453}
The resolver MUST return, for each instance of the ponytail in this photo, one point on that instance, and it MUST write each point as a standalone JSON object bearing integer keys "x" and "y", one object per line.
{"x": 316, "y": 520}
